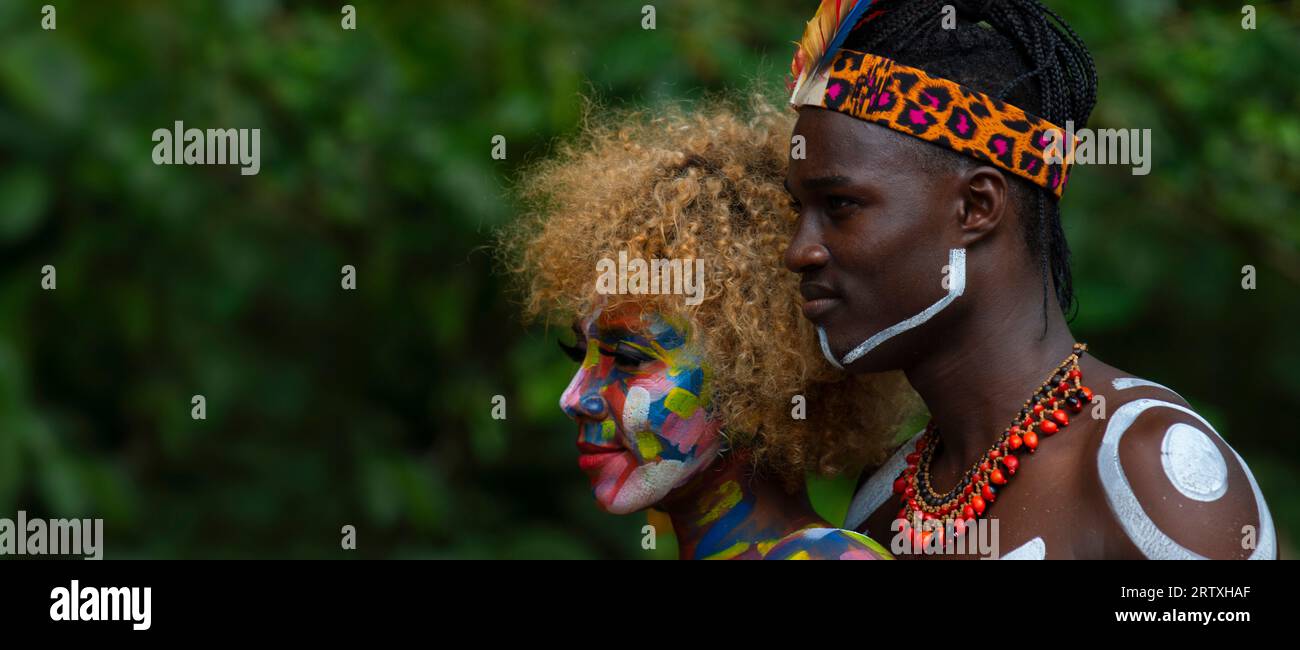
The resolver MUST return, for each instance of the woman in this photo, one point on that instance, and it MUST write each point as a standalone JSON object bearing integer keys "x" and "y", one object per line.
{"x": 699, "y": 396}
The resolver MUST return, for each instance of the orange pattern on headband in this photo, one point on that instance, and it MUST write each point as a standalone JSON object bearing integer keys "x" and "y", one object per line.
{"x": 942, "y": 112}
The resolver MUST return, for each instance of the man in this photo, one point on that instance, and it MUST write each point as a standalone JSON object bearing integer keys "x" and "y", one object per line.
{"x": 930, "y": 241}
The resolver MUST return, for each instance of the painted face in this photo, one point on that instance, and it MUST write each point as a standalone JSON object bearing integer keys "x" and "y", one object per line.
{"x": 872, "y": 242}
{"x": 641, "y": 401}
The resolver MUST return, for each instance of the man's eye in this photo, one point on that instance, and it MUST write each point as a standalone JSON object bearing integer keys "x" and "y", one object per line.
{"x": 834, "y": 203}
{"x": 574, "y": 352}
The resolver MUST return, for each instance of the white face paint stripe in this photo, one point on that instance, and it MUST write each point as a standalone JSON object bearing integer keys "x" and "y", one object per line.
{"x": 1034, "y": 549}
{"x": 826, "y": 349}
{"x": 956, "y": 287}
{"x": 636, "y": 411}
{"x": 1193, "y": 464}
{"x": 1124, "y": 383}
{"x": 878, "y": 487}
{"x": 1150, "y": 540}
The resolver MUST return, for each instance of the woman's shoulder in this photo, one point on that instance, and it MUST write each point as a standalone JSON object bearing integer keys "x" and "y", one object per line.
{"x": 826, "y": 544}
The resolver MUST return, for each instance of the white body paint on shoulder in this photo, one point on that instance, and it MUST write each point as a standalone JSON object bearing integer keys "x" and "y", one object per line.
{"x": 1193, "y": 464}
{"x": 879, "y": 486}
{"x": 1034, "y": 549}
{"x": 1124, "y": 383}
{"x": 1150, "y": 540}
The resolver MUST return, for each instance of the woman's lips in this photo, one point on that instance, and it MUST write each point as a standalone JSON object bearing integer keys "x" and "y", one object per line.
{"x": 585, "y": 447}
{"x": 593, "y": 456}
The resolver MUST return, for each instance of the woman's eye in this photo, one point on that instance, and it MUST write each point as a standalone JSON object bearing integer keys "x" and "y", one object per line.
{"x": 629, "y": 357}
{"x": 575, "y": 352}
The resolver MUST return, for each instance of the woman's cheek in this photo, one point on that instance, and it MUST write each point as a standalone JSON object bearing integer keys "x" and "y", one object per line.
{"x": 690, "y": 434}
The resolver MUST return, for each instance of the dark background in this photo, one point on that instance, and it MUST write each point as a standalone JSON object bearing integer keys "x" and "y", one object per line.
{"x": 372, "y": 407}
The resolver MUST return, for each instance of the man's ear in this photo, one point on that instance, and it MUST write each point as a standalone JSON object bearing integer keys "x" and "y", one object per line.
{"x": 984, "y": 203}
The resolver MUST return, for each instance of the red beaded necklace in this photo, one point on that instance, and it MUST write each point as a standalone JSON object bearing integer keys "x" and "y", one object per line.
{"x": 978, "y": 489}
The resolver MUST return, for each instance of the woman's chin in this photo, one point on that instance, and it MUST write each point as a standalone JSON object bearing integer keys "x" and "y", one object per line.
{"x": 643, "y": 487}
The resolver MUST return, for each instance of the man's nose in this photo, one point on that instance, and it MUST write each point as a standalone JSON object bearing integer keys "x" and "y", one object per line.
{"x": 806, "y": 252}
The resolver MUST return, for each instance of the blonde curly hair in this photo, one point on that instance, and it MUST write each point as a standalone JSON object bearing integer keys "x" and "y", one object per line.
{"x": 705, "y": 184}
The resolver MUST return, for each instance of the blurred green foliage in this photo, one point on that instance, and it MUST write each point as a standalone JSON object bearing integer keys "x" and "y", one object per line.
{"x": 371, "y": 408}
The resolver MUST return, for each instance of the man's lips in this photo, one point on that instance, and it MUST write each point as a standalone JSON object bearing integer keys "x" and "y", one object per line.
{"x": 818, "y": 299}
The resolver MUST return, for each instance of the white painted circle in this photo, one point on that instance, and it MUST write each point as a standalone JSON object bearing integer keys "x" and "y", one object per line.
{"x": 1193, "y": 463}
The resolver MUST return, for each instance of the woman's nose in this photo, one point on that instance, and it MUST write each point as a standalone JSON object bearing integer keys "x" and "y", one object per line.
{"x": 582, "y": 400}
{"x": 594, "y": 406}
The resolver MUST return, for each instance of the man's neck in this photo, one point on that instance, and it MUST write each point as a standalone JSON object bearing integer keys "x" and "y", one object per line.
{"x": 977, "y": 380}
{"x": 727, "y": 511}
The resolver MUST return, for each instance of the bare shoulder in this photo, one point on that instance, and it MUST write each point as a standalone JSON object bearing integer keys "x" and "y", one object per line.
{"x": 827, "y": 544}
{"x": 1174, "y": 487}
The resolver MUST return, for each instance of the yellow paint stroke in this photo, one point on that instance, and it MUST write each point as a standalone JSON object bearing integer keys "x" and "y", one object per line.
{"x": 593, "y": 355}
{"x": 648, "y": 444}
{"x": 799, "y": 555}
{"x": 730, "y": 552}
{"x": 726, "y": 498}
{"x": 607, "y": 430}
{"x": 682, "y": 402}
{"x": 868, "y": 542}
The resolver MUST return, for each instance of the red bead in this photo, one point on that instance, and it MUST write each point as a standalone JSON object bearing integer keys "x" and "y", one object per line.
{"x": 968, "y": 512}
{"x": 1031, "y": 441}
{"x": 996, "y": 477}
{"x": 978, "y": 504}
{"x": 1062, "y": 387}
{"x": 984, "y": 467}
{"x": 1014, "y": 442}
{"x": 911, "y": 469}
{"x": 968, "y": 490}
{"x": 1075, "y": 374}
{"x": 1048, "y": 427}
{"x": 1060, "y": 417}
{"x": 988, "y": 494}
{"x": 900, "y": 485}
{"x": 995, "y": 454}
{"x": 1015, "y": 431}
{"x": 1027, "y": 424}
{"x": 1011, "y": 463}
{"x": 911, "y": 503}
{"x": 1038, "y": 408}
{"x": 909, "y": 491}
{"x": 1087, "y": 394}
{"x": 927, "y": 517}
{"x": 913, "y": 458}
{"x": 920, "y": 444}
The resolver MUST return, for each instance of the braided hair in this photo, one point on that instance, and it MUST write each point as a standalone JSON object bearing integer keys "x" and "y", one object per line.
{"x": 1018, "y": 51}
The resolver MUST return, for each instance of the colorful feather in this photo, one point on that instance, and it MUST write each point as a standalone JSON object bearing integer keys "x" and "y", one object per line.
{"x": 822, "y": 37}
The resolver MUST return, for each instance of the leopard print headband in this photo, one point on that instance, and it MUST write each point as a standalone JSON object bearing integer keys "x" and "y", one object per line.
{"x": 942, "y": 112}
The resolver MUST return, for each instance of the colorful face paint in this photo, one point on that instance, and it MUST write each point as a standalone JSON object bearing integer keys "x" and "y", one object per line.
{"x": 641, "y": 401}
